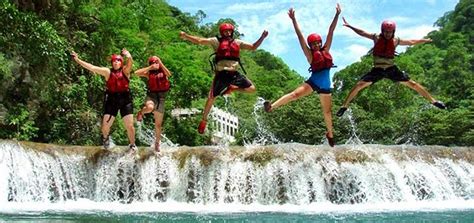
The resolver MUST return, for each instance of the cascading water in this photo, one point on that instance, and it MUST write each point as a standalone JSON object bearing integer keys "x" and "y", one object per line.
{"x": 270, "y": 175}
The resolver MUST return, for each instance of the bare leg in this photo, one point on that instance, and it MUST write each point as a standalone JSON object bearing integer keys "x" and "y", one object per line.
{"x": 149, "y": 106}
{"x": 208, "y": 106}
{"x": 325, "y": 100}
{"x": 250, "y": 89}
{"x": 301, "y": 91}
{"x": 107, "y": 122}
{"x": 128, "y": 121}
{"x": 420, "y": 89}
{"x": 355, "y": 90}
{"x": 158, "y": 122}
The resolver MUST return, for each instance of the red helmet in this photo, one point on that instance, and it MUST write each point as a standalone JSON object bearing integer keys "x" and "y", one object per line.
{"x": 152, "y": 60}
{"x": 314, "y": 37}
{"x": 388, "y": 25}
{"x": 115, "y": 57}
{"x": 225, "y": 26}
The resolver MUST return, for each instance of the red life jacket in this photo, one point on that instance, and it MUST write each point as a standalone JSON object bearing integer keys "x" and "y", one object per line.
{"x": 384, "y": 48}
{"x": 117, "y": 82}
{"x": 228, "y": 50}
{"x": 321, "y": 60}
{"x": 158, "y": 81}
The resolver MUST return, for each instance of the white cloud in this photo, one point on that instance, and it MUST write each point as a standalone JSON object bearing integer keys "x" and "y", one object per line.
{"x": 247, "y": 8}
{"x": 277, "y": 25}
{"x": 414, "y": 32}
{"x": 399, "y": 19}
{"x": 350, "y": 54}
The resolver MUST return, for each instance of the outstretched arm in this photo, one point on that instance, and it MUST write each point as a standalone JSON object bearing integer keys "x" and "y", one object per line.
{"x": 303, "y": 44}
{"x": 257, "y": 43}
{"x": 194, "y": 39}
{"x": 328, "y": 43}
{"x": 413, "y": 41}
{"x": 128, "y": 67}
{"x": 358, "y": 31}
{"x": 104, "y": 71}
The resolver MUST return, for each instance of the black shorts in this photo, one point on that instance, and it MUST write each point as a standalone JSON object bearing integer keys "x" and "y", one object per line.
{"x": 158, "y": 99}
{"x": 224, "y": 78}
{"x": 392, "y": 73}
{"x": 113, "y": 102}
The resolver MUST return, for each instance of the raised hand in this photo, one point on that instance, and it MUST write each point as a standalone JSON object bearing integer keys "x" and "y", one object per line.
{"x": 291, "y": 13}
{"x": 126, "y": 53}
{"x": 345, "y": 22}
{"x": 155, "y": 66}
{"x": 182, "y": 35}
{"x": 74, "y": 55}
{"x": 265, "y": 33}
{"x": 338, "y": 9}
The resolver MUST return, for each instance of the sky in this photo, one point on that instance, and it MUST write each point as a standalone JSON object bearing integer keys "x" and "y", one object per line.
{"x": 414, "y": 19}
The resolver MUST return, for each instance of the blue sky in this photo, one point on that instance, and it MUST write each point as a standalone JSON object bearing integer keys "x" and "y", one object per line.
{"x": 414, "y": 18}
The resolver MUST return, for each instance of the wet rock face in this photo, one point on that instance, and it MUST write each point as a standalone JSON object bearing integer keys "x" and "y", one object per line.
{"x": 278, "y": 174}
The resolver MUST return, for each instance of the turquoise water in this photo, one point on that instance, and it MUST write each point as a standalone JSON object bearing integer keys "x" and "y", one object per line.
{"x": 444, "y": 216}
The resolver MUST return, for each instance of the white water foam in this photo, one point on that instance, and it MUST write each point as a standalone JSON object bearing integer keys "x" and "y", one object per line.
{"x": 87, "y": 206}
{"x": 264, "y": 135}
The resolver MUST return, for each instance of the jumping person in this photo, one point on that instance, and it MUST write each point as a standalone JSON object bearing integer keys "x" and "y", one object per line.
{"x": 384, "y": 66}
{"x": 117, "y": 95}
{"x": 227, "y": 60}
{"x": 320, "y": 60}
{"x": 158, "y": 86}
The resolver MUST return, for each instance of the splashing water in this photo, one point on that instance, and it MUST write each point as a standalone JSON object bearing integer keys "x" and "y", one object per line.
{"x": 147, "y": 136}
{"x": 411, "y": 136}
{"x": 264, "y": 136}
{"x": 354, "y": 139}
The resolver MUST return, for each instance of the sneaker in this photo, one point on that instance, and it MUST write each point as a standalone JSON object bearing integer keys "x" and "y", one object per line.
{"x": 133, "y": 147}
{"x": 139, "y": 116}
{"x": 341, "y": 111}
{"x": 267, "y": 106}
{"x": 105, "y": 142}
{"x": 439, "y": 104}
{"x": 202, "y": 126}
{"x": 330, "y": 140}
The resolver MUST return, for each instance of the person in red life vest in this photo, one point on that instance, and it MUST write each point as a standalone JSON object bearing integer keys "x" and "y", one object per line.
{"x": 117, "y": 95}
{"x": 384, "y": 67}
{"x": 227, "y": 60}
{"x": 158, "y": 85}
{"x": 320, "y": 60}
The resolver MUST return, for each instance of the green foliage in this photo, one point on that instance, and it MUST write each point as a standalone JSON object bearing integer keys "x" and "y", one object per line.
{"x": 25, "y": 127}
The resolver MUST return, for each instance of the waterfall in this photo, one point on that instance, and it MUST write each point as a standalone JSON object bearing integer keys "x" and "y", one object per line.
{"x": 293, "y": 174}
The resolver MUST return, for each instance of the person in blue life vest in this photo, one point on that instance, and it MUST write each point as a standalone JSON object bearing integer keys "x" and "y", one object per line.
{"x": 320, "y": 60}
{"x": 227, "y": 59}
{"x": 117, "y": 95}
{"x": 158, "y": 86}
{"x": 384, "y": 66}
